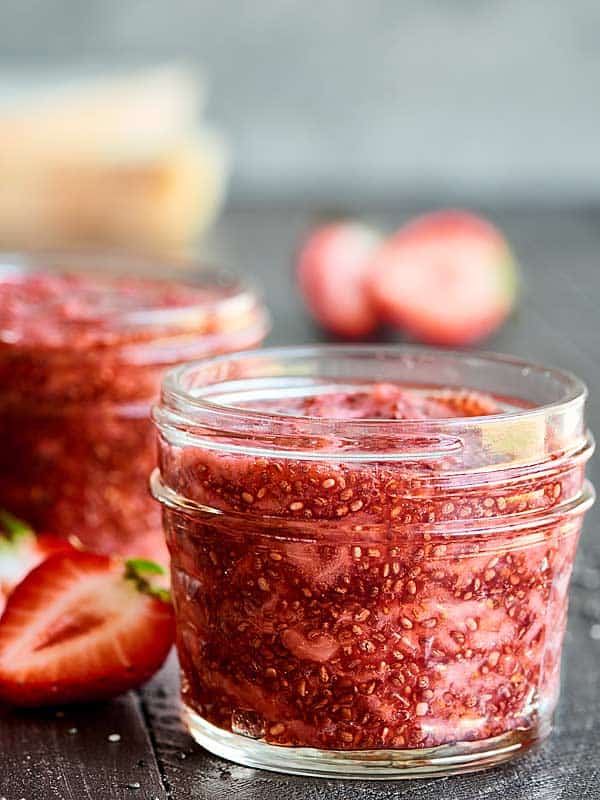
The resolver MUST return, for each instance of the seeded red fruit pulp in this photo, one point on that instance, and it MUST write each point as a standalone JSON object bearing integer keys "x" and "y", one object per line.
{"x": 323, "y": 608}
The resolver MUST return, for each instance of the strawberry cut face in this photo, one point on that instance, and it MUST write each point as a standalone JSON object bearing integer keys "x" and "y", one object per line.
{"x": 446, "y": 278}
{"x": 81, "y": 627}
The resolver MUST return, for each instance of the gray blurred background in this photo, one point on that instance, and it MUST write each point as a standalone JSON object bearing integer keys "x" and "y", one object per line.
{"x": 488, "y": 100}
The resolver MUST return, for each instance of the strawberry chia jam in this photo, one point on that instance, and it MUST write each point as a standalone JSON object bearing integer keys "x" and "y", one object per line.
{"x": 371, "y": 551}
{"x": 81, "y": 360}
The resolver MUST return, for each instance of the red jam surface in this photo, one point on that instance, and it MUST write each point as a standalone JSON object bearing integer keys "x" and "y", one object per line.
{"x": 364, "y": 605}
{"x": 81, "y": 360}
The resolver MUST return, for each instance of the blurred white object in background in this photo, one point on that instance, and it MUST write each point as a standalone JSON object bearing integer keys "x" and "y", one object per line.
{"x": 123, "y": 161}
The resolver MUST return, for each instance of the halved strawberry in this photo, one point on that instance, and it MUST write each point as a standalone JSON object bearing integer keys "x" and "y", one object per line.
{"x": 82, "y": 627}
{"x": 21, "y": 550}
{"x": 446, "y": 278}
{"x": 331, "y": 270}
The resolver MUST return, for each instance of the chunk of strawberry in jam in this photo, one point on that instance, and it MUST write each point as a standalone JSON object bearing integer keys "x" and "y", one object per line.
{"x": 333, "y": 613}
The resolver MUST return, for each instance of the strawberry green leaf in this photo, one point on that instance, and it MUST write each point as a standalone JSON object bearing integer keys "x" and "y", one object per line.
{"x": 12, "y": 526}
{"x": 136, "y": 570}
{"x": 141, "y": 566}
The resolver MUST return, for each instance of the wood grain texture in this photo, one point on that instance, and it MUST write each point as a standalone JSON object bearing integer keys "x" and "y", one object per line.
{"x": 68, "y": 756}
{"x": 558, "y": 322}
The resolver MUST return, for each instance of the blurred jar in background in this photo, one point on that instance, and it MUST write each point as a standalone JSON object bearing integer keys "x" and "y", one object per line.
{"x": 121, "y": 161}
{"x": 81, "y": 360}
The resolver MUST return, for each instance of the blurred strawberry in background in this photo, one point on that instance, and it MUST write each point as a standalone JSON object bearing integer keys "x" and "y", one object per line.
{"x": 332, "y": 274}
{"x": 124, "y": 161}
{"x": 446, "y": 278}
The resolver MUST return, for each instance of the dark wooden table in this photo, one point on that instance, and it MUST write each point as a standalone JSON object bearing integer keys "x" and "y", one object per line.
{"x": 67, "y": 754}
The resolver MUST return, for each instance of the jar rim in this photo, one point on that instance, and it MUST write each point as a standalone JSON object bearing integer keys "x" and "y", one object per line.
{"x": 190, "y": 403}
{"x": 574, "y": 388}
{"x": 112, "y": 271}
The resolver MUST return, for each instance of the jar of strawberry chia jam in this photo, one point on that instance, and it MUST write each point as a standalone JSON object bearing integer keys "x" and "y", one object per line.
{"x": 82, "y": 356}
{"x": 371, "y": 550}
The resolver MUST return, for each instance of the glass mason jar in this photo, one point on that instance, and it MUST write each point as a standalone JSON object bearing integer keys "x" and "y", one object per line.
{"x": 371, "y": 550}
{"x": 82, "y": 355}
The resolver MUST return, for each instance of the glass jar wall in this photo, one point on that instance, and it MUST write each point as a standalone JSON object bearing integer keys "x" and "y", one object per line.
{"x": 371, "y": 550}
